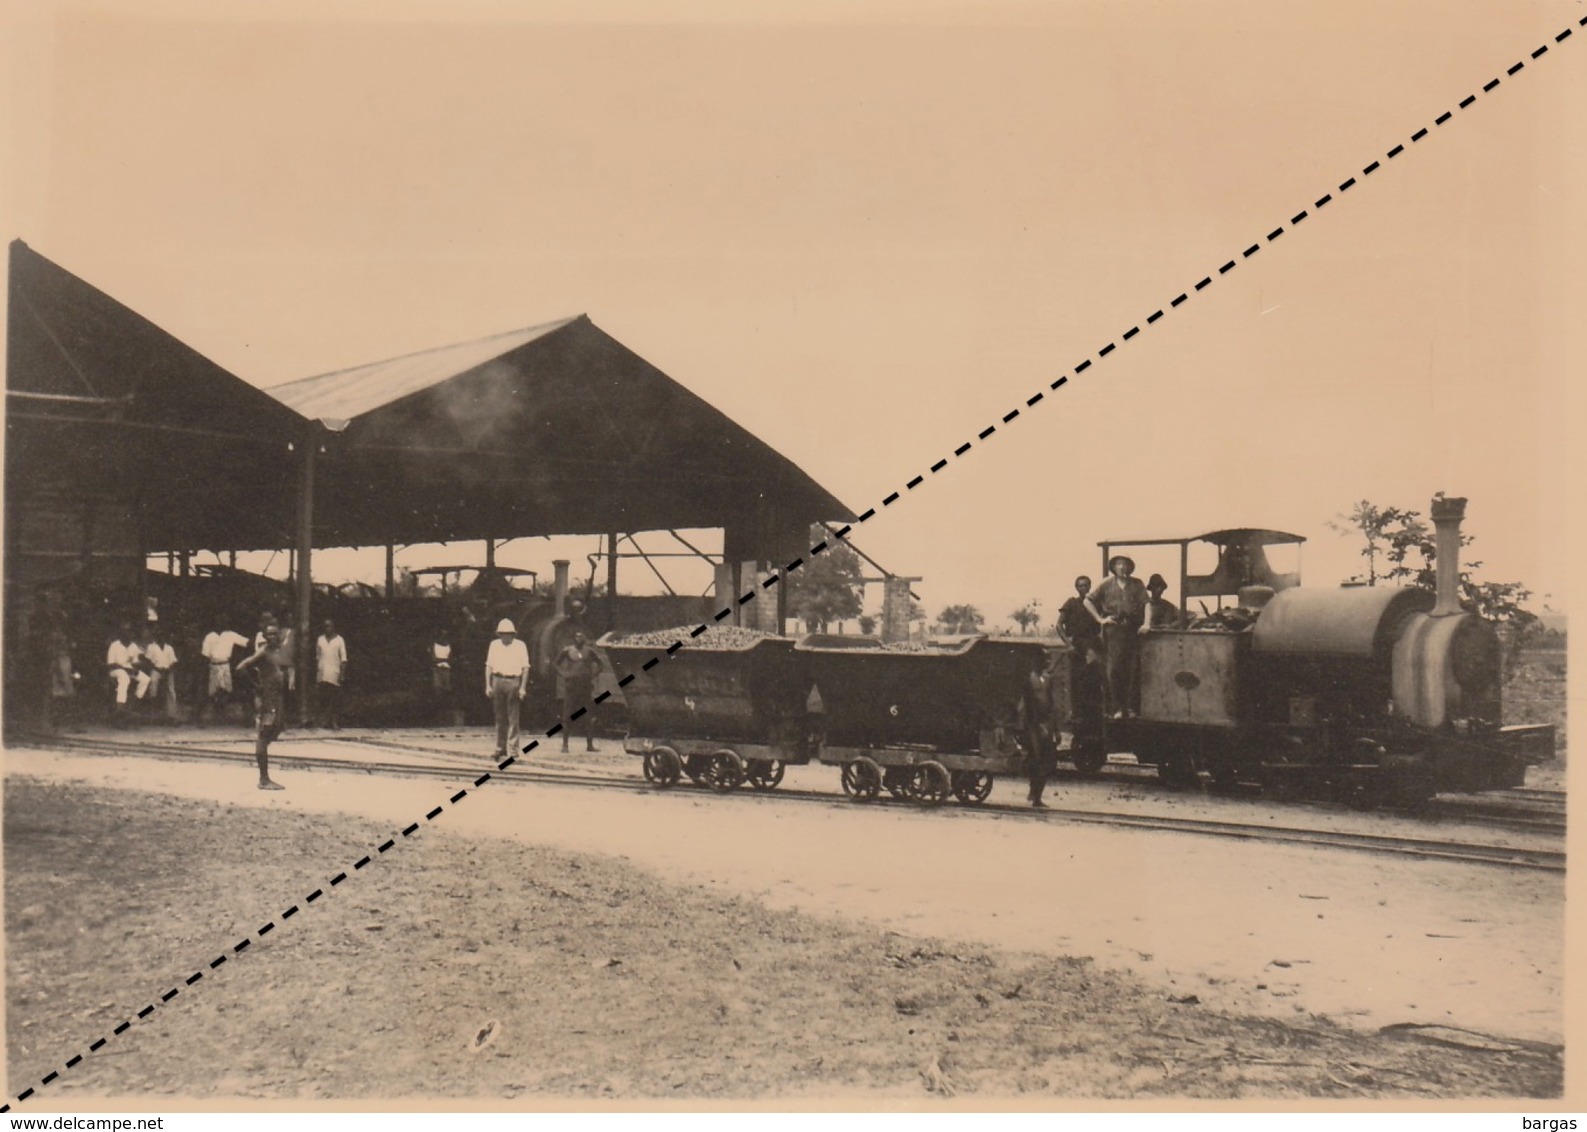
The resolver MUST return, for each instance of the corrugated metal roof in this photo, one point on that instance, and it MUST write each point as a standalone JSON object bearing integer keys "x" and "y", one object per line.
{"x": 337, "y": 397}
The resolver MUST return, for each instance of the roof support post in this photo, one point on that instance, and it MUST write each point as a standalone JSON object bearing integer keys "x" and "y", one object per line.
{"x": 391, "y": 571}
{"x": 305, "y": 579}
{"x": 611, "y": 581}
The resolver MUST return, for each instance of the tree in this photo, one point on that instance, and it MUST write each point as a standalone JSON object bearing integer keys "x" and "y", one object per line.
{"x": 867, "y": 624}
{"x": 1027, "y": 615}
{"x": 1405, "y": 543}
{"x": 1375, "y": 525}
{"x": 827, "y": 587}
{"x": 961, "y": 619}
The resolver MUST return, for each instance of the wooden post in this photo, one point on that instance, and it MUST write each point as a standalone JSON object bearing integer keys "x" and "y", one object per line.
{"x": 391, "y": 571}
{"x": 305, "y": 580}
{"x": 490, "y": 554}
{"x": 611, "y": 582}
{"x": 232, "y": 559}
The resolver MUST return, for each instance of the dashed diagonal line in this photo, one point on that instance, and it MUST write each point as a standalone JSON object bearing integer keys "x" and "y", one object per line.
{"x": 822, "y": 547}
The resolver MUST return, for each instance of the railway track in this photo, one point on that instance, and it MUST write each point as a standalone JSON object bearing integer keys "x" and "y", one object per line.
{"x": 470, "y": 767}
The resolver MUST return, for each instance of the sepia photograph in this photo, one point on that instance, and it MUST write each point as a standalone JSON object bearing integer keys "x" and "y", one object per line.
{"x": 856, "y": 555}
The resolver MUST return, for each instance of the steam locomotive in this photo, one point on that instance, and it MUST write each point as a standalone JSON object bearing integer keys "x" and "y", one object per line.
{"x": 1363, "y": 694}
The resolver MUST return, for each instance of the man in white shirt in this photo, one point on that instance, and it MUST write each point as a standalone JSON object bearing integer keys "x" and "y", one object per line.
{"x": 122, "y": 662}
{"x": 330, "y": 666}
{"x": 162, "y": 676}
{"x": 506, "y": 683}
{"x": 217, "y": 647}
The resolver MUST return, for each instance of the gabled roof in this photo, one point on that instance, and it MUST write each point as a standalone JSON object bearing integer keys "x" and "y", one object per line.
{"x": 336, "y": 398}
{"x": 553, "y": 429}
{"x": 102, "y": 403}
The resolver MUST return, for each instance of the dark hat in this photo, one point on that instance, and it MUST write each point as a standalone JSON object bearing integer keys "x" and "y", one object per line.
{"x": 1156, "y": 583}
{"x": 1117, "y": 558}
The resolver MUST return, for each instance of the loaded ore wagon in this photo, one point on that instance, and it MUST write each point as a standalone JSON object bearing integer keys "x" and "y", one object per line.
{"x": 924, "y": 723}
{"x": 730, "y": 707}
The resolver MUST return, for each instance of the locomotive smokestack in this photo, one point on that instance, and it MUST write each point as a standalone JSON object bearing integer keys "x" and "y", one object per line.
{"x": 559, "y": 585}
{"x": 1447, "y": 514}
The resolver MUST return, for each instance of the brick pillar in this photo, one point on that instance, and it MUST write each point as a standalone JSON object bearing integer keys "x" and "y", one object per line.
{"x": 723, "y": 595}
{"x": 895, "y": 610}
{"x": 760, "y": 614}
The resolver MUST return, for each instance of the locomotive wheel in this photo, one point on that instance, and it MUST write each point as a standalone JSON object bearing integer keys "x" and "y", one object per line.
{"x": 725, "y": 772}
{"x": 663, "y": 766}
{"x": 765, "y": 774}
{"x": 697, "y": 767}
{"x": 1177, "y": 772}
{"x": 1225, "y": 776}
{"x": 971, "y": 787}
{"x": 896, "y": 780}
{"x": 1089, "y": 757}
{"x": 862, "y": 779}
{"x": 931, "y": 785}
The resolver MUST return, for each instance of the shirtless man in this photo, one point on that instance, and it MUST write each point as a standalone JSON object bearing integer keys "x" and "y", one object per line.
{"x": 269, "y": 699}
{"x": 577, "y": 667}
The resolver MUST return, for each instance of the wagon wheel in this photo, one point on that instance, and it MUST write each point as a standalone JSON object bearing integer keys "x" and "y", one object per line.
{"x": 971, "y": 787}
{"x": 725, "y": 772}
{"x": 765, "y": 774}
{"x": 862, "y": 779}
{"x": 697, "y": 767}
{"x": 896, "y": 780}
{"x": 663, "y": 766}
{"x": 931, "y": 784}
{"x": 1089, "y": 756}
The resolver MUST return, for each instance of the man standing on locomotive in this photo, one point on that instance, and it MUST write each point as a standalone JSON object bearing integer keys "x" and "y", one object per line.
{"x": 1082, "y": 632}
{"x": 1160, "y": 612}
{"x": 1119, "y": 607}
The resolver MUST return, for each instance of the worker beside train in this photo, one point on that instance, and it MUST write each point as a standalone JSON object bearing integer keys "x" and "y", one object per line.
{"x": 1119, "y": 607}
{"x": 506, "y": 683}
{"x": 577, "y": 667}
{"x": 1037, "y": 737}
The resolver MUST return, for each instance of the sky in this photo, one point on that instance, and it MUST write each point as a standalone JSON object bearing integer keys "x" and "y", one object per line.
{"x": 867, "y": 231}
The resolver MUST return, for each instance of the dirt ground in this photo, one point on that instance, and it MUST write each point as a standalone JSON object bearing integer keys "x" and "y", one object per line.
{"x": 471, "y": 965}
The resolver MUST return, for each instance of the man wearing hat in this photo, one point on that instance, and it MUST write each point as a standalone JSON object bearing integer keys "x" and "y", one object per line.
{"x": 1119, "y": 605}
{"x": 1160, "y": 612}
{"x": 506, "y": 682}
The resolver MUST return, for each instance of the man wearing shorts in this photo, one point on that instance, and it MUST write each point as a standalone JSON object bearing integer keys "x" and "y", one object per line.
{"x": 217, "y": 647}
{"x": 269, "y": 699}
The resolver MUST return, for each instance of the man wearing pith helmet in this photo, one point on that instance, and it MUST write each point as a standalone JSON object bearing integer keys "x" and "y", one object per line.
{"x": 506, "y": 683}
{"x": 1119, "y": 605}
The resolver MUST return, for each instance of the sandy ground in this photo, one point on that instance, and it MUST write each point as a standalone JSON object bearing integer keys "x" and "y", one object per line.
{"x": 1266, "y": 931}
{"x": 471, "y": 964}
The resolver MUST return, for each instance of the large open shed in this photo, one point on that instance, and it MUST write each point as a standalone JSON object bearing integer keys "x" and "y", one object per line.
{"x": 123, "y": 442}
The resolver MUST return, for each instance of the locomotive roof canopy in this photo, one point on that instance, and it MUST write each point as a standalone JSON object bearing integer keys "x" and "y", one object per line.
{"x": 554, "y": 429}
